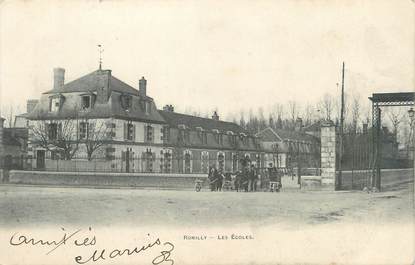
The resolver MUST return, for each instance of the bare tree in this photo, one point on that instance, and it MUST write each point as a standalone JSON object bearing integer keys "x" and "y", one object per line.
{"x": 326, "y": 105}
{"x": 278, "y": 110}
{"x": 242, "y": 121}
{"x": 355, "y": 112}
{"x": 95, "y": 135}
{"x": 292, "y": 107}
{"x": 262, "y": 123}
{"x": 309, "y": 114}
{"x": 58, "y": 135}
{"x": 395, "y": 116}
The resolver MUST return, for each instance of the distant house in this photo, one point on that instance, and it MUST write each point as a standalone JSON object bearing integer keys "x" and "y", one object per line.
{"x": 13, "y": 146}
{"x": 290, "y": 148}
{"x": 100, "y": 118}
{"x": 21, "y": 121}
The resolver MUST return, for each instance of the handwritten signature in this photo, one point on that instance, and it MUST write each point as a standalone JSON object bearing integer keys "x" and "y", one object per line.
{"x": 73, "y": 238}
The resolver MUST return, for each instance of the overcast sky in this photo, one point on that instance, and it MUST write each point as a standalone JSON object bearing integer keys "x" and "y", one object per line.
{"x": 205, "y": 54}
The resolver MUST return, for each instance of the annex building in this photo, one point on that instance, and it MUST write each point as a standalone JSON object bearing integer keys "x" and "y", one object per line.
{"x": 99, "y": 123}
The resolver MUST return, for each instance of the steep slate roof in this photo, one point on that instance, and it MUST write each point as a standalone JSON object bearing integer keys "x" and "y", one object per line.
{"x": 315, "y": 127}
{"x": 271, "y": 135}
{"x": 112, "y": 108}
{"x": 88, "y": 83}
{"x": 175, "y": 119}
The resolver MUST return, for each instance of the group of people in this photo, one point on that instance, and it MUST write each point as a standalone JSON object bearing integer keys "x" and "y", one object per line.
{"x": 245, "y": 180}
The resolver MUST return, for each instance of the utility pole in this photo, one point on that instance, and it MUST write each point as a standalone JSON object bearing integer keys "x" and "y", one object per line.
{"x": 341, "y": 132}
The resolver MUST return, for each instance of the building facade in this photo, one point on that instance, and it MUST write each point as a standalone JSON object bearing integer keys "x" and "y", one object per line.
{"x": 13, "y": 146}
{"x": 97, "y": 122}
{"x": 290, "y": 148}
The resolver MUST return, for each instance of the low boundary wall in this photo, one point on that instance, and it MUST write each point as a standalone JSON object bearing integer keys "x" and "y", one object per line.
{"x": 173, "y": 181}
{"x": 358, "y": 180}
{"x": 147, "y": 180}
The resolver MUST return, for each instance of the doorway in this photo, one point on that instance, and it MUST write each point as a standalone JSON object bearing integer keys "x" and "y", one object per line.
{"x": 40, "y": 159}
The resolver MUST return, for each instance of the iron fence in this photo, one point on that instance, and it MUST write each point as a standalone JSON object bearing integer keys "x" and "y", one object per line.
{"x": 138, "y": 164}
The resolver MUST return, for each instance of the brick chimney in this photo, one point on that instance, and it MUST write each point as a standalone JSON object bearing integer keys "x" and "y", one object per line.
{"x": 103, "y": 82}
{"x": 31, "y": 104}
{"x": 142, "y": 87}
{"x": 215, "y": 116}
{"x": 298, "y": 124}
{"x": 58, "y": 78}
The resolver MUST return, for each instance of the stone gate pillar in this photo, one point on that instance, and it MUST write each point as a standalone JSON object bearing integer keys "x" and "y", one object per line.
{"x": 328, "y": 155}
{"x": 1, "y": 149}
{"x": 1, "y": 138}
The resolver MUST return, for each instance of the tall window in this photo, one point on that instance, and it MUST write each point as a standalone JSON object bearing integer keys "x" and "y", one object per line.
{"x": 187, "y": 162}
{"x": 166, "y": 157}
{"x": 53, "y": 131}
{"x": 83, "y": 130}
{"x": 129, "y": 131}
{"x": 149, "y": 133}
{"x": 258, "y": 160}
{"x": 204, "y": 157}
{"x": 221, "y": 161}
{"x": 111, "y": 130}
{"x": 148, "y": 158}
{"x": 165, "y": 134}
{"x": 234, "y": 162}
{"x": 130, "y": 135}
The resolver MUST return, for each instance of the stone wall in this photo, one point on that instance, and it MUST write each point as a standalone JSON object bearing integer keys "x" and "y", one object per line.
{"x": 328, "y": 155}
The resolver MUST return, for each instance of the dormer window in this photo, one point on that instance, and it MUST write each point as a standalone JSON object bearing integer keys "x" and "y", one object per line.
{"x": 244, "y": 138}
{"x": 218, "y": 136}
{"x": 126, "y": 102}
{"x": 86, "y": 102}
{"x": 202, "y": 134}
{"x": 55, "y": 102}
{"x": 184, "y": 134}
{"x": 147, "y": 107}
{"x": 232, "y": 138}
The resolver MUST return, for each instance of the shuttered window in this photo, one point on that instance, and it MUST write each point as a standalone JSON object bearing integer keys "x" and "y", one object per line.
{"x": 149, "y": 133}
{"x": 129, "y": 131}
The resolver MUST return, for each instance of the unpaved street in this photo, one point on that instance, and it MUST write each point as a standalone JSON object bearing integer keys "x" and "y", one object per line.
{"x": 38, "y": 206}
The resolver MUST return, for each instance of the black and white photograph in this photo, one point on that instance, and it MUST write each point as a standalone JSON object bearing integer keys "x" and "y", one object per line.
{"x": 207, "y": 132}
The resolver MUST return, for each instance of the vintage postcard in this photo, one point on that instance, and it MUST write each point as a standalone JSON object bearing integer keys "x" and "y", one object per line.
{"x": 207, "y": 132}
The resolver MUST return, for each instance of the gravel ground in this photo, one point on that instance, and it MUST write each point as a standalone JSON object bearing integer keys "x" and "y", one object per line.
{"x": 42, "y": 206}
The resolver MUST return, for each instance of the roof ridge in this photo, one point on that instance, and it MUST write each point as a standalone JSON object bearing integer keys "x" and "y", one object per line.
{"x": 122, "y": 82}
{"x": 194, "y": 116}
